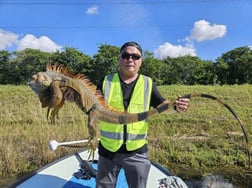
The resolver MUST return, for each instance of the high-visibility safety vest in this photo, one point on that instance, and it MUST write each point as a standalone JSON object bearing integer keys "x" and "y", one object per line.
{"x": 112, "y": 135}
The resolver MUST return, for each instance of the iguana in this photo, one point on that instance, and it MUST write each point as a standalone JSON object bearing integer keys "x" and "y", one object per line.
{"x": 52, "y": 85}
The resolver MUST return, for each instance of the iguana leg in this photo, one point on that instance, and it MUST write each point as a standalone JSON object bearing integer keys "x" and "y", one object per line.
{"x": 57, "y": 101}
{"x": 93, "y": 132}
{"x": 55, "y": 111}
{"x": 49, "y": 113}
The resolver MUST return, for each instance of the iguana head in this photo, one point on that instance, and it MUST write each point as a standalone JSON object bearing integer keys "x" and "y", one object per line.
{"x": 40, "y": 82}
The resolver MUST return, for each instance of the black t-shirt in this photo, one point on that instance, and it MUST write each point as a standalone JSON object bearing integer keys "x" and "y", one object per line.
{"x": 127, "y": 90}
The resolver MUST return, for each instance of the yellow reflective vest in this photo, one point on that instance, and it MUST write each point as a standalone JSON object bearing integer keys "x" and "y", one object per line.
{"x": 112, "y": 135}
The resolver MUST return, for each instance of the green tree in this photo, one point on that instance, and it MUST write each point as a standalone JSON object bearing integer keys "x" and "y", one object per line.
{"x": 105, "y": 61}
{"x": 234, "y": 67}
{"x": 209, "y": 76}
{"x": 4, "y": 56}
{"x": 222, "y": 71}
{"x": 28, "y": 62}
{"x": 75, "y": 60}
{"x": 4, "y": 66}
{"x": 189, "y": 70}
{"x": 153, "y": 68}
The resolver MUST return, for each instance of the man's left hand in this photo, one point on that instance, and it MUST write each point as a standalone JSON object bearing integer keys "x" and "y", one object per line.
{"x": 182, "y": 104}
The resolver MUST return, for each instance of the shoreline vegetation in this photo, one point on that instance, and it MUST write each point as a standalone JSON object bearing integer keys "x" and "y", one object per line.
{"x": 205, "y": 140}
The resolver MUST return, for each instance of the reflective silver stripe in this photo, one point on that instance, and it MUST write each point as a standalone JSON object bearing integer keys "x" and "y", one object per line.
{"x": 108, "y": 83}
{"x": 146, "y": 92}
{"x": 106, "y": 89}
{"x": 112, "y": 135}
{"x": 136, "y": 136}
{"x": 119, "y": 136}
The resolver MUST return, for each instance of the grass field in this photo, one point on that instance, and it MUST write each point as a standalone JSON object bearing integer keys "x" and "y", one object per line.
{"x": 205, "y": 140}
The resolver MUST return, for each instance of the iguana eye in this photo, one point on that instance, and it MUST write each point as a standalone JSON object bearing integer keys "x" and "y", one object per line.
{"x": 45, "y": 83}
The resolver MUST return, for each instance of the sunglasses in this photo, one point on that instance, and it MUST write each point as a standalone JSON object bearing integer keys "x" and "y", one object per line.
{"x": 128, "y": 56}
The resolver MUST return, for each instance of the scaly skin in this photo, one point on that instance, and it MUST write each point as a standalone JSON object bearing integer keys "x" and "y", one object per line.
{"x": 51, "y": 86}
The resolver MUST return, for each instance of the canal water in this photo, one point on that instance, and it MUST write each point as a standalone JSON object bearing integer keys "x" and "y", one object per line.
{"x": 210, "y": 181}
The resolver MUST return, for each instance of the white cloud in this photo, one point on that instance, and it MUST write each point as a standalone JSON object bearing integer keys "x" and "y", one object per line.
{"x": 92, "y": 10}
{"x": 203, "y": 30}
{"x": 173, "y": 51}
{"x": 42, "y": 43}
{"x": 7, "y": 39}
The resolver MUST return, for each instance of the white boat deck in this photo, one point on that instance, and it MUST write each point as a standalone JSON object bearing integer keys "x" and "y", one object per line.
{"x": 57, "y": 174}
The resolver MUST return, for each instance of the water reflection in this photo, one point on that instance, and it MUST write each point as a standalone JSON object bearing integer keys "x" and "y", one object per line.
{"x": 210, "y": 181}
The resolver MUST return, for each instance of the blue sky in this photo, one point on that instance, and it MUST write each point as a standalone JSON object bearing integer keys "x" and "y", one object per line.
{"x": 205, "y": 28}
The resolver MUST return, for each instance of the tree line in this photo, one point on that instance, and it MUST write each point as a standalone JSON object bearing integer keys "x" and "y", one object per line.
{"x": 233, "y": 67}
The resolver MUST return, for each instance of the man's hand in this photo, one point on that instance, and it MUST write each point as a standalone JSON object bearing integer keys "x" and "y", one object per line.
{"x": 182, "y": 104}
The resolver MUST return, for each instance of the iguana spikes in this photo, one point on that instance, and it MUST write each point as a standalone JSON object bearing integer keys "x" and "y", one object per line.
{"x": 52, "y": 85}
{"x": 57, "y": 80}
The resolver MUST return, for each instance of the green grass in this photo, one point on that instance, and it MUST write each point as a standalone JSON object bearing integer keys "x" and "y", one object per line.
{"x": 206, "y": 139}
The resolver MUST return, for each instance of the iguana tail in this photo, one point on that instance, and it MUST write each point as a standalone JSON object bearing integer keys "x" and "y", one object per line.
{"x": 169, "y": 108}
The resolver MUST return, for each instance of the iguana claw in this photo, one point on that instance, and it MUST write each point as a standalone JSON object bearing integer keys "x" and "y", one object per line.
{"x": 92, "y": 144}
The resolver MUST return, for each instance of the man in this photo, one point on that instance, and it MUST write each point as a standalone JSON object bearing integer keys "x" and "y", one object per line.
{"x": 125, "y": 146}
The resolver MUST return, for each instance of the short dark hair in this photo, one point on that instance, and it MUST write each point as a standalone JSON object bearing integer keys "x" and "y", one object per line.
{"x": 131, "y": 43}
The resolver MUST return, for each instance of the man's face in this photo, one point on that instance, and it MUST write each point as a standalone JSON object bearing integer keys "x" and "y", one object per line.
{"x": 130, "y": 60}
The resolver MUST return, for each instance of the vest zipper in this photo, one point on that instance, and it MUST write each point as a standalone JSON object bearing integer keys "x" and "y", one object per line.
{"x": 124, "y": 133}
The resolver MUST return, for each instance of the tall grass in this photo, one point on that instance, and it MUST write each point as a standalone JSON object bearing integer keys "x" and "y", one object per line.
{"x": 206, "y": 139}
